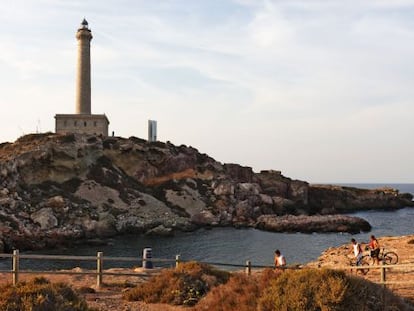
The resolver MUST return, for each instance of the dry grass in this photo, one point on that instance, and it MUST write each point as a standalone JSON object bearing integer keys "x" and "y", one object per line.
{"x": 182, "y": 286}
{"x": 323, "y": 289}
{"x": 40, "y": 295}
{"x": 270, "y": 290}
{"x": 240, "y": 293}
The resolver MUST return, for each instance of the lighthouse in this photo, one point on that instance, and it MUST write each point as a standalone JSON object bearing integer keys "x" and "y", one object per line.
{"x": 83, "y": 77}
{"x": 83, "y": 121}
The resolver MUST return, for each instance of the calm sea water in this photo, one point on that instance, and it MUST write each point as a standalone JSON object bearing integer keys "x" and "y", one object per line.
{"x": 228, "y": 245}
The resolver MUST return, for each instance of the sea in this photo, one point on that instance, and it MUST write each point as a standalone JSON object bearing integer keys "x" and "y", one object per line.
{"x": 233, "y": 246}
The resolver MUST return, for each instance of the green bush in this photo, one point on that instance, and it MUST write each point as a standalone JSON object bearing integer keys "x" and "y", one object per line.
{"x": 40, "y": 295}
{"x": 182, "y": 286}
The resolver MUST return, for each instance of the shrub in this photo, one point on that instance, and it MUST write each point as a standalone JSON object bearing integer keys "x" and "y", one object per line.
{"x": 240, "y": 293}
{"x": 184, "y": 285}
{"x": 312, "y": 290}
{"x": 40, "y": 295}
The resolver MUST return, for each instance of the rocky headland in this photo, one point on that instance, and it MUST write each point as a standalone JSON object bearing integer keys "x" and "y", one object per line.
{"x": 56, "y": 189}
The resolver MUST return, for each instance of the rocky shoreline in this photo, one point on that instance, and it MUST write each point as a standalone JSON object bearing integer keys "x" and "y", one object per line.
{"x": 56, "y": 189}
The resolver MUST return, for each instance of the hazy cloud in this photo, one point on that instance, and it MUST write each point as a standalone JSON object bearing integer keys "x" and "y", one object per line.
{"x": 321, "y": 90}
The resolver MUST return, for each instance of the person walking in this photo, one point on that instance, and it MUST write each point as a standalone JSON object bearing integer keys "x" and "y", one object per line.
{"x": 375, "y": 249}
{"x": 357, "y": 250}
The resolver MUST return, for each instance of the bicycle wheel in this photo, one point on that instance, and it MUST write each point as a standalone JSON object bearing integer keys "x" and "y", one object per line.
{"x": 390, "y": 258}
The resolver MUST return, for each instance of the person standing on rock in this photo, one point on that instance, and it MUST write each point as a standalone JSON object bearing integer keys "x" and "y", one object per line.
{"x": 375, "y": 249}
{"x": 357, "y": 250}
{"x": 280, "y": 260}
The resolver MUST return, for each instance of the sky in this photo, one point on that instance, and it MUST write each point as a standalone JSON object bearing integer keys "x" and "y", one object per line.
{"x": 320, "y": 90}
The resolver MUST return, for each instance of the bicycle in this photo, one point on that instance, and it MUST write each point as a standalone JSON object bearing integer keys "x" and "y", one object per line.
{"x": 389, "y": 258}
{"x": 362, "y": 263}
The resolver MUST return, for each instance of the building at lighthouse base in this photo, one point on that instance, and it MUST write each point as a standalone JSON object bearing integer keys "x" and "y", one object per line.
{"x": 82, "y": 123}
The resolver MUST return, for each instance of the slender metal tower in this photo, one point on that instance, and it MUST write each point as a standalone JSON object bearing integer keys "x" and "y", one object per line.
{"x": 83, "y": 78}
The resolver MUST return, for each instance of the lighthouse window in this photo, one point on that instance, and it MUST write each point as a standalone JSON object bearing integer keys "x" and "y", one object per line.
{"x": 94, "y": 123}
{"x": 75, "y": 123}
{"x": 84, "y": 123}
{"x": 64, "y": 123}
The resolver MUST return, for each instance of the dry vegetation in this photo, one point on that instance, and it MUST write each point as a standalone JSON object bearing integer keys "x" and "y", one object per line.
{"x": 301, "y": 290}
{"x": 40, "y": 295}
{"x": 184, "y": 285}
{"x": 322, "y": 289}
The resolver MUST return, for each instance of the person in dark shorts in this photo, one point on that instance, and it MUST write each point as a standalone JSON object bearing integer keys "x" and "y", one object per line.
{"x": 375, "y": 249}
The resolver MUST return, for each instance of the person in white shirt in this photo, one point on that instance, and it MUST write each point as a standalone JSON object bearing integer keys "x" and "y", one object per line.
{"x": 357, "y": 250}
{"x": 279, "y": 260}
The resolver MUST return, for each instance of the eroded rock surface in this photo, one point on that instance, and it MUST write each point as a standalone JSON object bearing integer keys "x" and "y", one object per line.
{"x": 58, "y": 189}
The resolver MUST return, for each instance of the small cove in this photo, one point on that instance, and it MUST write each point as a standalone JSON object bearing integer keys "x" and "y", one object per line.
{"x": 229, "y": 245}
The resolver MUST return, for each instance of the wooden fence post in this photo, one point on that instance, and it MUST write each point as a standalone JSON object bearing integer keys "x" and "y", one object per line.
{"x": 177, "y": 261}
{"x": 383, "y": 274}
{"x": 383, "y": 280}
{"x": 99, "y": 268}
{"x": 248, "y": 267}
{"x": 15, "y": 268}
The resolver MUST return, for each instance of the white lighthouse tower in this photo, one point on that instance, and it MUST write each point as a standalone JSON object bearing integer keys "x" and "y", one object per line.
{"x": 83, "y": 121}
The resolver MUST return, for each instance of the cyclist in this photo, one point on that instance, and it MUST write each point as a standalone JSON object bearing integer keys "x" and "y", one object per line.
{"x": 375, "y": 249}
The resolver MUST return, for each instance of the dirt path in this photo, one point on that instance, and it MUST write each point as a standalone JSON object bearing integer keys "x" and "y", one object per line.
{"x": 403, "y": 245}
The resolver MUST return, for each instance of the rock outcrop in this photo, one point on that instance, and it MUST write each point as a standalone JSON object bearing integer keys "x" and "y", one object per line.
{"x": 326, "y": 199}
{"x": 60, "y": 188}
{"x": 309, "y": 224}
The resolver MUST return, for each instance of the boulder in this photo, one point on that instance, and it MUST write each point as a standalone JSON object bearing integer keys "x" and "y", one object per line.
{"x": 203, "y": 218}
{"x": 251, "y": 188}
{"x": 56, "y": 202}
{"x": 160, "y": 231}
{"x": 105, "y": 227}
{"x": 45, "y": 218}
{"x": 223, "y": 188}
{"x": 4, "y": 192}
{"x": 266, "y": 199}
{"x": 188, "y": 199}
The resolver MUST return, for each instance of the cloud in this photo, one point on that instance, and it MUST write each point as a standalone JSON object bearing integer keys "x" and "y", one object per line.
{"x": 293, "y": 85}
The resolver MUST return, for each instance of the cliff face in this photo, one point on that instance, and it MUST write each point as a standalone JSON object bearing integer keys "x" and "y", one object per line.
{"x": 56, "y": 188}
